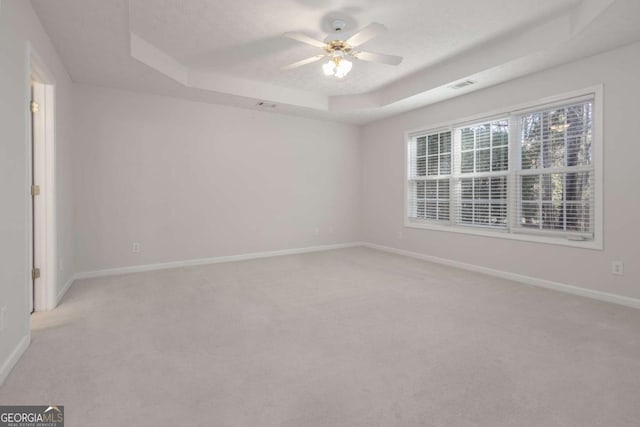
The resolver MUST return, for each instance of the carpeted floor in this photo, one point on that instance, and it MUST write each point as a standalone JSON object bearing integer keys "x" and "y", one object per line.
{"x": 351, "y": 337}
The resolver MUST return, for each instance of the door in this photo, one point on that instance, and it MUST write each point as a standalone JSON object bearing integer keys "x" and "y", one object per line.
{"x": 37, "y": 166}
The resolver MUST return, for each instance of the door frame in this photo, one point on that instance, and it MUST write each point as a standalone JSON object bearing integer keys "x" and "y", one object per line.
{"x": 44, "y": 247}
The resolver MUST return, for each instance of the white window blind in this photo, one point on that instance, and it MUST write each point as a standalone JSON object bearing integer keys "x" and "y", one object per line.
{"x": 556, "y": 177}
{"x": 530, "y": 172}
{"x": 429, "y": 176}
{"x": 481, "y": 183}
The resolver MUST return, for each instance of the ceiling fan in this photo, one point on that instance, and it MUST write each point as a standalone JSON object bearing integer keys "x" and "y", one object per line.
{"x": 338, "y": 49}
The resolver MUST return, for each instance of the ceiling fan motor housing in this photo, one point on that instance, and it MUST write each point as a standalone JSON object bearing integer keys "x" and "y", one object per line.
{"x": 338, "y": 46}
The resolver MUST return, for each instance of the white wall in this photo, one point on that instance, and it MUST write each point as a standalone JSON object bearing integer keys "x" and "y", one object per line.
{"x": 190, "y": 180}
{"x": 383, "y": 179}
{"x": 19, "y": 25}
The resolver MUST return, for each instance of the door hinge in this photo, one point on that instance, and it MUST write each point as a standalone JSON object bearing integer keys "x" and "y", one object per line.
{"x": 35, "y": 190}
{"x": 35, "y": 107}
{"x": 35, "y": 274}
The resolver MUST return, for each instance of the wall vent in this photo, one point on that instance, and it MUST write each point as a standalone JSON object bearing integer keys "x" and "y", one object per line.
{"x": 462, "y": 84}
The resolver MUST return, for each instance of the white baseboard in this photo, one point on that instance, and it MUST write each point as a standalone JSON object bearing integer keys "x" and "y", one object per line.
{"x": 64, "y": 289}
{"x": 13, "y": 358}
{"x": 213, "y": 260}
{"x": 533, "y": 281}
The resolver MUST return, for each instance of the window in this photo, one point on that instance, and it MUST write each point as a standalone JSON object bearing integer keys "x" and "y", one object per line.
{"x": 528, "y": 174}
{"x": 429, "y": 191}
{"x": 556, "y": 181}
{"x": 484, "y": 155}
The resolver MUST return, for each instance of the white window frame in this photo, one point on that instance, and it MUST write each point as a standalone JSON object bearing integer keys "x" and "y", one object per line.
{"x": 595, "y": 93}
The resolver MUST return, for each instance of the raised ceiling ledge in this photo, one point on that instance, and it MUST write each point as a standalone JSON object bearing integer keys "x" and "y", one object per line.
{"x": 157, "y": 59}
{"x": 426, "y": 86}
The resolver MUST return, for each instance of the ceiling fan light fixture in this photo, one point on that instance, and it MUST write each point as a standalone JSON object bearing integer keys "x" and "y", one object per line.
{"x": 329, "y": 68}
{"x": 343, "y": 68}
{"x": 337, "y": 66}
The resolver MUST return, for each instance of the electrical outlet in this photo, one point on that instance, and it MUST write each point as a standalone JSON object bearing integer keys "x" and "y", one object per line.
{"x": 399, "y": 235}
{"x": 3, "y": 320}
{"x": 317, "y": 231}
{"x": 617, "y": 268}
{"x": 136, "y": 248}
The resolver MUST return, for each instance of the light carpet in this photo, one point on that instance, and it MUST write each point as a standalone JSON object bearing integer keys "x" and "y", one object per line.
{"x": 352, "y": 337}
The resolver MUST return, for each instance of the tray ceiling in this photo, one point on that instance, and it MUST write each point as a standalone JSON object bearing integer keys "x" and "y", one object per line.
{"x": 230, "y": 52}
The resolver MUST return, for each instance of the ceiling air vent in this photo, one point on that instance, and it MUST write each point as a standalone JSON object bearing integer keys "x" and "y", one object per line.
{"x": 462, "y": 84}
{"x": 262, "y": 104}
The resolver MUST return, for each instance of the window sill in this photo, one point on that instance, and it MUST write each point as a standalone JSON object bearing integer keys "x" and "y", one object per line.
{"x": 504, "y": 234}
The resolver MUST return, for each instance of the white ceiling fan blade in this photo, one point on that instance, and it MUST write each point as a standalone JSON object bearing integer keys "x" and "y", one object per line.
{"x": 305, "y": 39}
{"x": 303, "y": 62}
{"x": 378, "y": 57}
{"x": 366, "y": 34}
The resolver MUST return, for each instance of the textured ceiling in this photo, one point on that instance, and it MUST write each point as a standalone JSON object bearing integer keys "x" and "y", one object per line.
{"x": 244, "y": 39}
{"x": 230, "y": 52}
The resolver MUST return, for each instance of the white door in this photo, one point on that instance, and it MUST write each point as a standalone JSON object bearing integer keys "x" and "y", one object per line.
{"x": 37, "y": 185}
